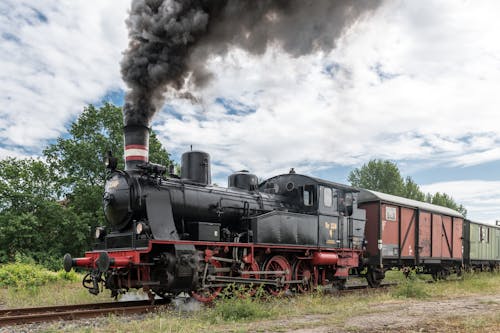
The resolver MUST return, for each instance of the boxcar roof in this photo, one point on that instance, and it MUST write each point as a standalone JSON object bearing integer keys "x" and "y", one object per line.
{"x": 484, "y": 223}
{"x": 369, "y": 196}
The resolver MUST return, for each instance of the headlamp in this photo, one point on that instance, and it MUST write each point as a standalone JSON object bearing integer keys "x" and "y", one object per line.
{"x": 100, "y": 232}
{"x": 141, "y": 228}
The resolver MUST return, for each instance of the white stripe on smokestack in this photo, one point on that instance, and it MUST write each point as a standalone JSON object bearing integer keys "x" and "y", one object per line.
{"x": 136, "y": 147}
{"x": 136, "y": 153}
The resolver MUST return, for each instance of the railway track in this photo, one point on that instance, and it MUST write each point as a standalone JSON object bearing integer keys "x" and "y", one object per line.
{"x": 9, "y": 317}
{"x": 361, "y": 288}
{"x": 19, "y": 316}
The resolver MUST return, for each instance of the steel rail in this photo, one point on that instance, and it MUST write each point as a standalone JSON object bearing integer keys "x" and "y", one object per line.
{"x": 78, "y": 311}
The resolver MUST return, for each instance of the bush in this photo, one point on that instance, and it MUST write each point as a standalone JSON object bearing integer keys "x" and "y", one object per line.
{"x": 21, "y": 275}
{"x": 412, "y": 287}
{"x": 71, "y": 276}
{"x": 49, "y": 261}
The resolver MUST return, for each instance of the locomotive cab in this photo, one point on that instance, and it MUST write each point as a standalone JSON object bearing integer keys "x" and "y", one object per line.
{"x": 311, "y": 195}
{"x": 319, "y": 212}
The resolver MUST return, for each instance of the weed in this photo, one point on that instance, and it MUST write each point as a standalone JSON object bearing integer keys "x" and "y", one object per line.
{"x": 412, "y": 287}
{"x": 240, "y": 303}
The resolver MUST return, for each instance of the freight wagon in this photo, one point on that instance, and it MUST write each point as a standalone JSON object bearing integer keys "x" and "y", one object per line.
{"x": 401, "y": 232}
{"x": 481, "y": 245}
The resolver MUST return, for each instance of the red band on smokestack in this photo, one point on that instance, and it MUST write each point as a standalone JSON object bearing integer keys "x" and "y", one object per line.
{"x": 136, "y": 158}
{"x": 136, "y": 153}
{"x": 136, "y": 146}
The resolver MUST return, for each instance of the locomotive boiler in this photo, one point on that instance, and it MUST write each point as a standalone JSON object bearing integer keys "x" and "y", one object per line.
{"x": 170, "y": 233}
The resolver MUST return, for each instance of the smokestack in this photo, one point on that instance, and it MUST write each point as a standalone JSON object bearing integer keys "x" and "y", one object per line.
{"x": 136, "y": 146}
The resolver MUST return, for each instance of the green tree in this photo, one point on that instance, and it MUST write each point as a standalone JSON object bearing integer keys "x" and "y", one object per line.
{"x": 77, "y": 158}
{"x": 378, "y": 175}
{"x": 49, "y": 207}
{"x": 32, "y": 221}
{"x": 443, "y": 199}
{"x": 411, "y": 190}
{"x": 384, "y": 176}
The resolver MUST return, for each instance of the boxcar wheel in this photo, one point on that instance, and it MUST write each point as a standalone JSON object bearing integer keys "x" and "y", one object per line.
{"x": 374, "y": 278}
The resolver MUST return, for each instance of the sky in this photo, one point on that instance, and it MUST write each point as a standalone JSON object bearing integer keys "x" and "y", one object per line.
{"x": 415, "y": 82}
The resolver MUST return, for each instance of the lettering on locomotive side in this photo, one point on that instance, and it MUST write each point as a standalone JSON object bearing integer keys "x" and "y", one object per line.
{"x": 330, "y": 227}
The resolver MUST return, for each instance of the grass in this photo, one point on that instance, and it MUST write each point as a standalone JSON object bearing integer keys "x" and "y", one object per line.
{"x": 57, "y": 293}
{"x": 242, "y": 314}
{"x": 468, "y": 284}
{"x": 25, "y": 285}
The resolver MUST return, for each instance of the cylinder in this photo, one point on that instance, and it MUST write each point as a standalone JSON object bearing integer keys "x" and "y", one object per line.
{"x": 325, "y": 258}
{"x": 195, "y": 167}
{"x": 136, "y": 146}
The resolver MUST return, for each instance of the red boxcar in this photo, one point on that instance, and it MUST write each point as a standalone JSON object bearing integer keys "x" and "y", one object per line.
{"x": 402, "y": 232}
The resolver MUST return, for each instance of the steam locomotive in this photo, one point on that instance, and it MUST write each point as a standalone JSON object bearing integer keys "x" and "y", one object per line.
{"x": 170, "y": 234}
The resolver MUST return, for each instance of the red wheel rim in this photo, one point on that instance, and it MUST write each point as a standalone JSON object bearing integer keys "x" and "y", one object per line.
{"x": 253, "y": 267}
{"x": 278, "y": 263}
{"x": 303, "y": 271}
{"x": 208, "y": 294}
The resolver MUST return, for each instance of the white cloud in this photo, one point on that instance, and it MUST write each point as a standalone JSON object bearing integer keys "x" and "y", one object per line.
{"x": 481, "y": 198}
{"x": 416, "y": 81}
{"x": 56, "y": 57}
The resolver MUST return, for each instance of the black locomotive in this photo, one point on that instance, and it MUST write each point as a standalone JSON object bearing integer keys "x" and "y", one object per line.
{"x": 170, "y": 234}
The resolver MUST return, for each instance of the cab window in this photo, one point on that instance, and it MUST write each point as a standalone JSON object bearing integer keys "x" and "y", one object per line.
{"x": 308, "y": 195}
{"x": 327, "y": 197}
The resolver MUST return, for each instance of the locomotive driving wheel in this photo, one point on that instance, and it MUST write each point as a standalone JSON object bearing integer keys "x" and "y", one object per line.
{"x": 278, "y": 264}
{"x": 304, "y": 271}
{"x": 253, "y": 267}
{"x": 207, "y": 294}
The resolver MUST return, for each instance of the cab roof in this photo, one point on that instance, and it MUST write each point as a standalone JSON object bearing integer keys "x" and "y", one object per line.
{"x": 313, "y": 180}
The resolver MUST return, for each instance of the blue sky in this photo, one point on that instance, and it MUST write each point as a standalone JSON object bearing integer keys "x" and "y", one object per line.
{"x": 416, "y": 82}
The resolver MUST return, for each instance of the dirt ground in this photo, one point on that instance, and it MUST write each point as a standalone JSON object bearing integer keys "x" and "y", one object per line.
{"x": 446, "y": 315}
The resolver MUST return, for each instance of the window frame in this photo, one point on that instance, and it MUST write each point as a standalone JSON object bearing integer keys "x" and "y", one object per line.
{"x": 324, "y": 189}
{"x": 390, "y": 217}
{"x": 310, "y": 190}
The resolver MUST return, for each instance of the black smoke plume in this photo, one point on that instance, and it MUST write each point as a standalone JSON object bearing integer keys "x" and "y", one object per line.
{"x": 170, "y": 40}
